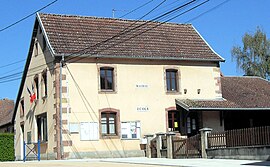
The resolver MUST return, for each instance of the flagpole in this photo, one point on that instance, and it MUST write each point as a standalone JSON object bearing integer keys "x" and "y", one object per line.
{"x": 61, "y": 138}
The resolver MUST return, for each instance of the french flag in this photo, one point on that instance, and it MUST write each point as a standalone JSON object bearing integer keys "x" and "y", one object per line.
{"x": 32, "y": 94}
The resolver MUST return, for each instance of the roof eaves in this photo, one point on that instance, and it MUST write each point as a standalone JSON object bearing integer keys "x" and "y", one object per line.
{"x": 182, "y": 104}
{"x": 45, "y": 34}
{"x": 137, "y": 57}
{"x": 222, "y": 59}
{"x": 229, "y": 109}
{"x": 28, "y": 60}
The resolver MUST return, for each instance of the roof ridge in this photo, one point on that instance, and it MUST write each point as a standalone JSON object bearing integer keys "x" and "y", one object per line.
{"x": 109, "y": 18}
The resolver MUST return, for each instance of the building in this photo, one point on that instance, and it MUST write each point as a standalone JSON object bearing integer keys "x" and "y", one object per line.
{"x": 6, "y": 115}
{"x": 245, "y": 103}
{"x": 108, "y": 82}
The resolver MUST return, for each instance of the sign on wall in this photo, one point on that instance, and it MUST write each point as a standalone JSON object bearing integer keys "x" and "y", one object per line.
{"x": 89, "y": 131}
{"x": 142, "y": 109}
{"x": 131, "y": 130}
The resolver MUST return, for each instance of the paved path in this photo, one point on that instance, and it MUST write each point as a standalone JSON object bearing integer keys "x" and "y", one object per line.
{"x": 139, "y": 162}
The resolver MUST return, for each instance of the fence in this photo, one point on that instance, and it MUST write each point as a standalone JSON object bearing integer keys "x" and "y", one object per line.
{"x": 187, "y": 148}
{"x": 258, "y": 136}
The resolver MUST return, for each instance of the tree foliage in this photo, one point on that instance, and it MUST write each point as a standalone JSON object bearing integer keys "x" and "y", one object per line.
{"x": 254, "y": 57}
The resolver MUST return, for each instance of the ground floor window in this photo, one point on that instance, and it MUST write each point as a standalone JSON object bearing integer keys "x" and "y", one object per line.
{"x": 108, "y": 123}
{"x": 42, "y": 127}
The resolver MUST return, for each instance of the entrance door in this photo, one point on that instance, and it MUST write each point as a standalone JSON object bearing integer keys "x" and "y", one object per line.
{"x": 173, "y": 120}
{"x": 192, "y": 124}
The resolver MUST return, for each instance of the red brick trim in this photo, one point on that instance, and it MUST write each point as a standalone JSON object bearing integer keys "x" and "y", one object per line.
{"x": 66, "y": 154}
{"x": 108, "y": 109}
{"x": 64, "y": 77}
{"x": 216, "y": 69}
{"x": 64, "y": 89}
{"x": 170, "y": 108}
{"x": 67, "y": 143}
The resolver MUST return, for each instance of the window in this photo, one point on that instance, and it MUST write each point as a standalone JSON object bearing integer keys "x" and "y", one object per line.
{"x": 42, "y": 127}
{"x": 171, "y": 80}
{"x": 22, "y": 107}
{"x": 106, "y": 78}
{"x": 173, "y": 117}
{"x": 29, "y": 137}
{"x": 44, "y": 84}
{"x": 108, "y": 123}
{"x": 36, "y": 86}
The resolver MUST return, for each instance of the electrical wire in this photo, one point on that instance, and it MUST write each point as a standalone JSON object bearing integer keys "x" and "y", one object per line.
{"x": 83, "y": 51}
{"x": 26, "y": 17}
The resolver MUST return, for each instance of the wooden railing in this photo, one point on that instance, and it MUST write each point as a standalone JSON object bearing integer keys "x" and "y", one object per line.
{"x": 240, "y": 137}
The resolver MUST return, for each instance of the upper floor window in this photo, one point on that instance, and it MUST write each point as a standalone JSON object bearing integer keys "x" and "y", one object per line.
{"x": 22, "y": 107}
{"x": 36, "y": 48}
{"x": 171, "y": 80}
{"x": 44, "y": 84}
{"x": 36, "y": 87}
{"x": 106, "y": 78}
{"x": 108, "y": 123}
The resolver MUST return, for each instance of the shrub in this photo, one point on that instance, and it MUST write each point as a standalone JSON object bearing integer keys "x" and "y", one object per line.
{"x": 6, "y": 147}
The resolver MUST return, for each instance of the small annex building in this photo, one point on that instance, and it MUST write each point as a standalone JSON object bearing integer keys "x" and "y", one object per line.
{"x": 6, "y": 115}
{"x": 93, "y": 87}
{"x": 245, "y": 103}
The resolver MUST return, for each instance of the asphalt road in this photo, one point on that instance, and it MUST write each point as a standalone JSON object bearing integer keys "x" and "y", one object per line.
{"x": 139, "y": 162}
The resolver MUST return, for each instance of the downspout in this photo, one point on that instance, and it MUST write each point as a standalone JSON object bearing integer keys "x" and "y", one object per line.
{"x": 61, "y": 107}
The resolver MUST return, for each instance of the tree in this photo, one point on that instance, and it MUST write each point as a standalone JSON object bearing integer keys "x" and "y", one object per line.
{"x": 254, "y": 57}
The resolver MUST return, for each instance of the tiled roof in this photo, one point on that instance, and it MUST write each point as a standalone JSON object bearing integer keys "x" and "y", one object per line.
{"x": 6, "y": 111}
{"x": 237, "y": 92}
{"x": 70, "y": 34}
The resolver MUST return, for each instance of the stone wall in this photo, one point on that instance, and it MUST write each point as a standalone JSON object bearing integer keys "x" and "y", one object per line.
{"x": 249, "y": 153}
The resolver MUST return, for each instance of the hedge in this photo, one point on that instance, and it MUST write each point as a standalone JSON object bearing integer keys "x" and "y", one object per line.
{"x": 7, "y": 147}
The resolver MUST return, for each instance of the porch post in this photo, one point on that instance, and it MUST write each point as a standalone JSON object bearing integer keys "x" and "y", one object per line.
{"x": 204, "y": 142}
{"x": 170, "y": 144}
{"x": 159, "y": 143}
{"x": 148, "y": 145}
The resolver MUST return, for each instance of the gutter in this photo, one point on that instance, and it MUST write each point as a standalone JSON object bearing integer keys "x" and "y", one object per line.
{"x": 136, "y": 57}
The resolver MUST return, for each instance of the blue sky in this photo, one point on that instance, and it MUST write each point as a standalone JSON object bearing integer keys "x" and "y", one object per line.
{"x": 222, "y": 28}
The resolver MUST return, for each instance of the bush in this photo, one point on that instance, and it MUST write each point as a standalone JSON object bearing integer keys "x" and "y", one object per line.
{"x": 6, "y": 147}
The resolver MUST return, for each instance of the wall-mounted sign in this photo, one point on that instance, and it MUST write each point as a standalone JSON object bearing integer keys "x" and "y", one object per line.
{"x": 142, "y": 109}
{"x": 141, "y": 86}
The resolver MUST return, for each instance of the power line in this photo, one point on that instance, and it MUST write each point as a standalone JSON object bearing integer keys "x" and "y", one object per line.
{"x": 136, "y": 8}
{"x": 10, "y": 64}
{"x": 24, "y": 18}
{"x": 81, "y": 52}
{"x": 210, "y": 10}
{"x": 7, "y": 78}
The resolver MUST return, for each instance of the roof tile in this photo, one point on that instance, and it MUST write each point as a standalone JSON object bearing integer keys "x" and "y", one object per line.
{"x": 139, "y": 39}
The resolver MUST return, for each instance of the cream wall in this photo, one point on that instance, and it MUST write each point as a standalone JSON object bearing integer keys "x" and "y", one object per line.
{"x": 42, "y": 105}
{"x": 128, "y": 97}
{"x": 211, "y": 119}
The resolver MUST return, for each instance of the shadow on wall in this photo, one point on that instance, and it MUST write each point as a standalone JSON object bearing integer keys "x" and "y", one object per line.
{"x": 30, "y": 114}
